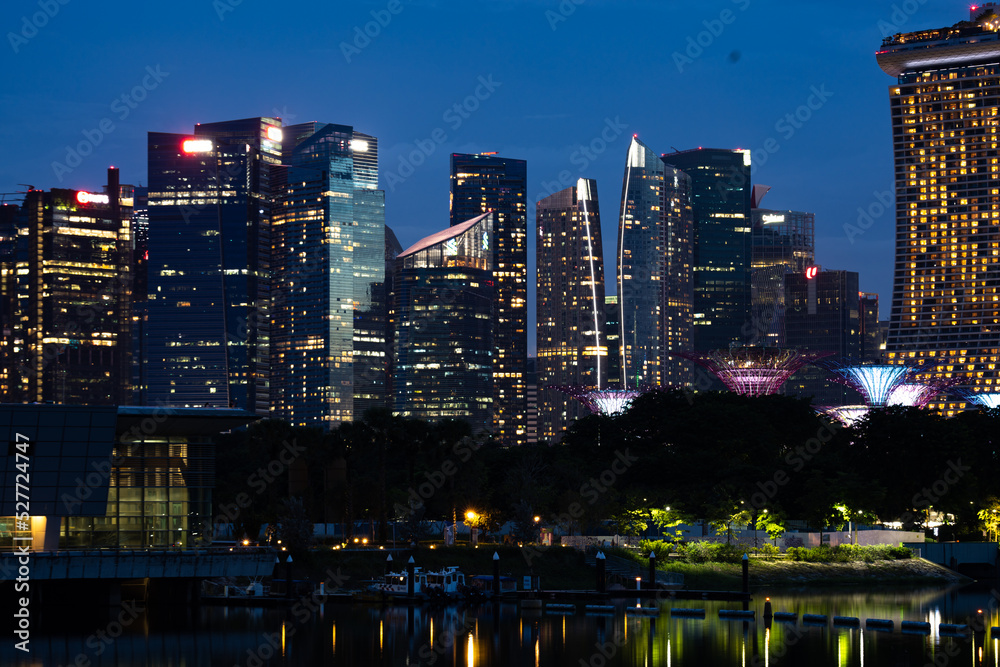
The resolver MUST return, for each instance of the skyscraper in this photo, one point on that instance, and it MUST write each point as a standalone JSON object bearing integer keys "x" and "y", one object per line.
{"x": 572, "y": 349}
{"x": 444, "y": 310}
{"x": 330, "y": 361}
{"x": 871, "y": 332}
{"x": 72, "y": 317}
{"x": 946, "y": 288}
{"x": 481, "y": 183}
{"x": 823, "y": 314}
{"x": 654, "y": 271}
{"x": 783, "y": 242}
{"x": 720, "y": 200}
{"x": 210, "y": 202}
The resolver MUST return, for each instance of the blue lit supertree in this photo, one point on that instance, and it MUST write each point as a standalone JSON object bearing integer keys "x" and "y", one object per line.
{"x": 984, "y": 399}
{"x": 875, "y": 382}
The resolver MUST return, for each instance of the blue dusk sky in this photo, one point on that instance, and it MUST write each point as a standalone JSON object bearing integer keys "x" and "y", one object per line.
{"x": 562, "y": 84}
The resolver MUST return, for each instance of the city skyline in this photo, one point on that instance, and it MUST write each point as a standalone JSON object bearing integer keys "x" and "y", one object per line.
{"x": 540, "y": 119}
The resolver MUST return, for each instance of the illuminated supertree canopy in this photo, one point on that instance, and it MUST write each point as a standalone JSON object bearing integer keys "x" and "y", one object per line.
{"x": 607, "y": 402}
{"x": 920, "y": 394}
{"x": 873, "y": 381}
{"x": 848, "y": 415}
{"x": 753, "y": 371}
{"x": 986, "y": 399}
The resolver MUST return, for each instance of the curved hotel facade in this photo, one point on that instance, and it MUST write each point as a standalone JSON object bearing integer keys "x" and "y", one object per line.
{"x": 946, "y": 289}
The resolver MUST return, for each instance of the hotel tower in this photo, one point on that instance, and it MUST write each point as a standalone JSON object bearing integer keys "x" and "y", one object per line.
{"x": 944, "y": 109}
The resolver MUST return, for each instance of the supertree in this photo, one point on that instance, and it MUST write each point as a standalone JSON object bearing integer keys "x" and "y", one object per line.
{"x": 607, "y": 402}
{"x": 875, "y": 382}
{"x": 753, "y": 371}
{"x": 919, "y": 394}
{"x": 848, "y": 415}
{"x": 984, "y": 399}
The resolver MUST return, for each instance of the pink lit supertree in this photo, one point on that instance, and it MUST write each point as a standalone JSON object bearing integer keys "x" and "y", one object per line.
{"x": 753, "y": 371}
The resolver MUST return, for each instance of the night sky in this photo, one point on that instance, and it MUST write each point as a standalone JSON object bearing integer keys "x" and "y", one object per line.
{"x": 563, "y": 85}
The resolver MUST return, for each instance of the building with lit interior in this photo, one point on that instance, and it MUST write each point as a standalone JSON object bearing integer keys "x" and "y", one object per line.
{"x": 487, "y": 182}
{"x": 822, "y": 313}
{"x": 569, "y": 301}
{"x": 753, "y": 371}
{"x": 444, "y": 307}
{"x": 329, "y": 342}
{"x": 784, "y": 242}
{"x": 946, "y": 291}
{"x": 106, "y": 477}
{"x": 654, "y": 257}
{"x": 210, "y": 204}
{"x": 721, "y": 203}
{"x": 68, "y": 301}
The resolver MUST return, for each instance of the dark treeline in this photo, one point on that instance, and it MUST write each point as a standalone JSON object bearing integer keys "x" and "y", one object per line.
{"x": 719, "y": 457}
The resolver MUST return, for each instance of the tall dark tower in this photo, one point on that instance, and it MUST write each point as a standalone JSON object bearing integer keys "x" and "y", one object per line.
{"x": 572, "y": 345}
{"x": 210, "y": 205}
{"x": 481, "y": 183}
{"x": 654, "y": 271}
{"x": 946, "y": 288}
{"x": 720, "y": 196}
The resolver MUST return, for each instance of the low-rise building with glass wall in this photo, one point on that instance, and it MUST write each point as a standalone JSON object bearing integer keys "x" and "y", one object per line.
{"x": 89, "y": 477}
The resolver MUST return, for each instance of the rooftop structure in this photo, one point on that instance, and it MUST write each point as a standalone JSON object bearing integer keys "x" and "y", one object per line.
{"x": 753, "y": 371}
{"x": 976, "y": 38}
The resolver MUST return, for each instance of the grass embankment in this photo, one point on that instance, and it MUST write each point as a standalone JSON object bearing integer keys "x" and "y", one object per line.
{"x": 840, "y": 566}
{"x": 558, "y": 568}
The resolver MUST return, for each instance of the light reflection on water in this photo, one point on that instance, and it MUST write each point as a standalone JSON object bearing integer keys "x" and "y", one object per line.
{"x": 486, "y": 636}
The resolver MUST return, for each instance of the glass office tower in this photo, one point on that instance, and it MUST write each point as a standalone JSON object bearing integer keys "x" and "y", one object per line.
{"x": 720, "y": 196}
{"x": 485, "y": 182}
{"x": 72, "y": 297}
{"x": 654, "y": 271}
{"x": 783, "y": 242}
{"x": 946, "y": 287}
{"x": 329, "y": 361}
{"x": 569, "y": 305}
{"x": 444, "y": 307}
{"x": 208, "y": 327}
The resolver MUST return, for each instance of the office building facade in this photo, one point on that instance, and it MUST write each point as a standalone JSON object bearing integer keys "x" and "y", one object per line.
{"x": 572, "y": 347}
{"x": 720, "y": 202}
{"x": 70, "y": 315}
{"x": 823, "y": 314}
{"x": 945, "y": 309}
{"x": 210, "y": 203}
{"x": 330, "y": 361}
{"x": 481, "y": 183}
{"x": 654, "y": 263}
{"x": 444, "y": 309}
{"x": 783, "y": 242}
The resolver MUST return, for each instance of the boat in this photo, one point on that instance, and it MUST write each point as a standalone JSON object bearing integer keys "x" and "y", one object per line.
{"x": 448, "y": 582}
